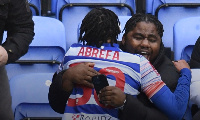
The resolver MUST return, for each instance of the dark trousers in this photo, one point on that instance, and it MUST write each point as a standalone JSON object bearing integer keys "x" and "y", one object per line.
{"x": 5, "y": 96}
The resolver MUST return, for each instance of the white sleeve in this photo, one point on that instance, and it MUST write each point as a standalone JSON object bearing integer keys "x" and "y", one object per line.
{"x": 195, "y": 87}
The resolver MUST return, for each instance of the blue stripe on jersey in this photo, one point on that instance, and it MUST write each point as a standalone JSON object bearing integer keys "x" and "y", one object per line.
{"x": 77, "y": 90}
{"x": 134, "y": 66}
{"x": 134, "y": 83}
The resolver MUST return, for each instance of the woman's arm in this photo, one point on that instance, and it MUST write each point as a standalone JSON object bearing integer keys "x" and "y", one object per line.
{"x": 134, "y": 108}
{"x": 57, "y": 96}
{"x": 172, "y": 104}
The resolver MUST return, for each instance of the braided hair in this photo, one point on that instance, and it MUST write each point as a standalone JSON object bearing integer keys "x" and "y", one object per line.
{"x": 98, "y": 26}
{"x": 131, "y": 23}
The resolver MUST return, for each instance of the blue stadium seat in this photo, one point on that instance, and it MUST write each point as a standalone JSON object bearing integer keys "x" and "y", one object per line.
{"x": 30, "y": 96}
{"x": 35, "y": 6}
{"x": 149, "y": 6}
{"x": 46, "y": 50}
{"x": 123, "y": 20}
{"x": 170, "y": 11}
{"x": 53, "y": 6}
{"x": 71, "y": 13}
{"x": 186, "y": 33}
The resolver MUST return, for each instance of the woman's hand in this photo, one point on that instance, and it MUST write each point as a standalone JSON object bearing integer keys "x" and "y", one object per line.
{"x": 181, "y": 64}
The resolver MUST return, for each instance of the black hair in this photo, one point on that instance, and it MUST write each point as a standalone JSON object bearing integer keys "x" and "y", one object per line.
{"x": 98, "y": 26}
{"x": 131, "y": 23}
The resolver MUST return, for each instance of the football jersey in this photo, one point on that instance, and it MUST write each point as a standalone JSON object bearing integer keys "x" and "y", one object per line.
{"x": 131, "y": 73}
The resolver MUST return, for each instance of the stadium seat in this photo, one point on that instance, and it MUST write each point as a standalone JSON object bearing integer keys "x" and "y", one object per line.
{"x": 71, "y": 13}
{"x": 30, "y": 96}
{"x": 170, "y": 11}
{"x": 46, "y": 50}
{"x": 35, "y": 6}
{"x": 186, "y": 33}
{"x": 123, "y": 20}
{"x": 53, "y": 6}
{"x": 149, "y": 6}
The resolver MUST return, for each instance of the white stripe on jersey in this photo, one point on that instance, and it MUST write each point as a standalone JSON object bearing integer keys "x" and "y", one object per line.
{"x": 130, "y": 90}
{"x": 104, "y": 64}
{"x": 123, "y": 56}
{"x": 127, "y": 88}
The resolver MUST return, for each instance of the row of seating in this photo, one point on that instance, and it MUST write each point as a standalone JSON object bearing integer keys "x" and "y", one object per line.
{"x": 57, "y": 5}
{"x": 71, "y": 12}
{"x": 167, "y": 11}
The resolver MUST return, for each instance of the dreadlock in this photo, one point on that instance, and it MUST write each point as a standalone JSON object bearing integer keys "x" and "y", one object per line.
{"x": 98, "y": 26}
{"x": 131, "y": 23}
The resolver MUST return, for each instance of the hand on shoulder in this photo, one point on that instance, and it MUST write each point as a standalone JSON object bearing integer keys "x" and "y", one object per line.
{"x": 180, "y": 64}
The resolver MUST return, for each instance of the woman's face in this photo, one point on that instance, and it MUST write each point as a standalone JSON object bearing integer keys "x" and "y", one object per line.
{"x": 143, "y": 39}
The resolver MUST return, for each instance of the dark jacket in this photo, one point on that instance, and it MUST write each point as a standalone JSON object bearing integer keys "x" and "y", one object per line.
{"x": 195, "y": 57}
{"x": 57, "y": 97}
{"x": 16, "y": 19}
{"x": 145, "y": 109}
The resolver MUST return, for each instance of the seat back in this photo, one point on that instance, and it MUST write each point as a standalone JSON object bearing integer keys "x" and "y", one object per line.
{"x": 35, "y": 6}
{"x": 112, "y": 4}
{"x": 153, "y": 6}
{"x": 170, "y": 11}
{"x": 46, "y": 50}
{"x": 30, "y": 95}
{"x": 53, "y": 6}
{"x": 123, "y": 20}
{"x": 71, "y": 13}
{"x": 150, "y": 4}
{"x": 186, "y": 33}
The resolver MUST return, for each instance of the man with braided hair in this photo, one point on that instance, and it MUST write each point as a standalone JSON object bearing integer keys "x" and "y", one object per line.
{"x": 126, "y": 73}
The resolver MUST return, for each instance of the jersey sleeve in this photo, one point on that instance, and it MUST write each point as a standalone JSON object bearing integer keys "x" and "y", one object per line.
{"x": 172, "y": 104}
{"x": 150, "y": 79}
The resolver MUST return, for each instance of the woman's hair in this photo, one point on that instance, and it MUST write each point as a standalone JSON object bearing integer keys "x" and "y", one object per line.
{"x": 98, "y": 26}
{"x": 131, "y": 23}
